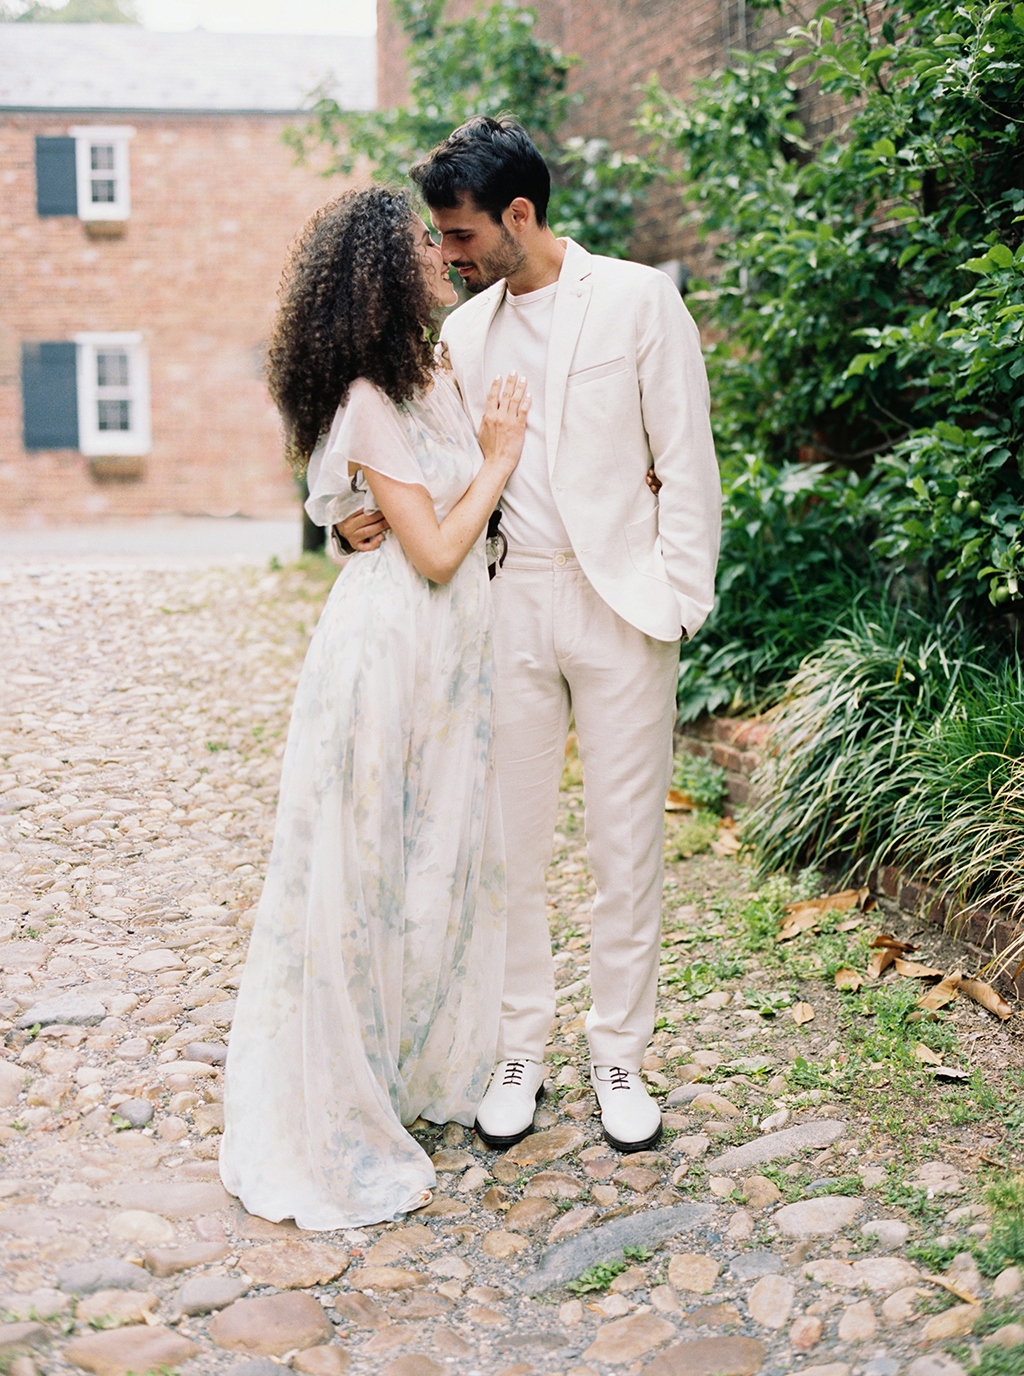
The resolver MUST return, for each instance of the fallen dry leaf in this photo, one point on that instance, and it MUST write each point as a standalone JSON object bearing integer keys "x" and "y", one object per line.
{"x": 913, "y": 970}
{"x": 984, "y": 994}
{"x": 887, "y": 949}
{"x": 884, "y": 941}
{"x": 880, "y": 961}
{"x": 926, "y": 1054}
{"x": 829, "y": 903}
{"x": 803, "y": 916}
{"x": 679, "y": 802}
{"x": 948, "y": 1072}
{"x": 954, "y": 1289}
{"x": 941, "y": 993}
{"x": 727, "y": 842}
{"x": 851, "y": 924}
{"x": 845, "y": 978}
{"x": 796, "y": 923}
{"x": 801, "y": 1013}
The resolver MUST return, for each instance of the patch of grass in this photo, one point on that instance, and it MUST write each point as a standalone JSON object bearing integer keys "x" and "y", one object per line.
{"x": 791, "y": 1187}
{"x": 689, "y": 982}
{"x": 913, "y": 1200}
{"x": 995, "y": 1360}
{"x": 934, "y": 1256}
{"x": 1006, "y": 1200}
{"x": 840, "y": 1184}
{"x": 768, "y": 1002}
{"x": 691, "y": 835}
{"x": 828, "y": 1075}
{"x": 597, "y": 1277}
{"x": 997, "y": 1313}
{"x": 758, "y": 917}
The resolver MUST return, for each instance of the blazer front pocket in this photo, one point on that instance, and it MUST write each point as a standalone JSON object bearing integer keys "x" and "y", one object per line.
{"x": 644, "y": 548}
{"x": 596, "y": 371}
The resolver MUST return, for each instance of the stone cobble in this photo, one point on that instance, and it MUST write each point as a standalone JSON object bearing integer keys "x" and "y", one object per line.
{"x": 141, "y": 729}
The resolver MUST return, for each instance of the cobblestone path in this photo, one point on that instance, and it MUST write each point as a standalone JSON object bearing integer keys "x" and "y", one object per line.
{"x": 141, "y": 726}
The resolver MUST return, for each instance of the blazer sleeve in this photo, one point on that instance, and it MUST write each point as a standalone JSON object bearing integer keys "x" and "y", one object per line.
{"x": 676, "y": 405}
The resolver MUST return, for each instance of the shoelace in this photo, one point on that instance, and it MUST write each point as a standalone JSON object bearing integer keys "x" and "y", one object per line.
{"x": 619, "y": 1077}
{"x": 514, "y": 1072}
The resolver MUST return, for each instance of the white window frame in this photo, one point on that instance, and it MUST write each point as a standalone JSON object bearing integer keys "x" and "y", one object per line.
{"x": 88, "y": 136}
{"x": 92, "y": 441}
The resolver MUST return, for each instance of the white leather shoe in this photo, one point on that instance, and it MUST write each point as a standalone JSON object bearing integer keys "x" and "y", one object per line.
{"x": 505, "y": 1114}
{"x": 630, "y": 1117}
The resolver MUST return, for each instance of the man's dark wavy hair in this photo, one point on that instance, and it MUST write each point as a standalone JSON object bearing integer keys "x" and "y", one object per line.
{"x": 353, "y": 302}
{"x": 493, "y": 160}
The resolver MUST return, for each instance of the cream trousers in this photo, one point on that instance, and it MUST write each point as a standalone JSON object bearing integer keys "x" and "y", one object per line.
{"x": 560, "y": 649}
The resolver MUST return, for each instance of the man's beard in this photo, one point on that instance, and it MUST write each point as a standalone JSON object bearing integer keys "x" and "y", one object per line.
{"x": 506, "y": 259}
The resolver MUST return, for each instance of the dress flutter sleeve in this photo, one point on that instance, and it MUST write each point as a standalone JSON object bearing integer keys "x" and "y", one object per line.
{"x": 367, "y": 432}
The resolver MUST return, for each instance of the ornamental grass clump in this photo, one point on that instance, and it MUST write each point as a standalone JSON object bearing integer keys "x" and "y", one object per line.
{"x": 961, "y": 821}
{"x": 899, "y": 741}
{"x": 846, "y": 737}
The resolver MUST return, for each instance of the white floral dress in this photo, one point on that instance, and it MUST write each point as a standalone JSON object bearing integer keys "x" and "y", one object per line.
{"x": 371, "y": 991}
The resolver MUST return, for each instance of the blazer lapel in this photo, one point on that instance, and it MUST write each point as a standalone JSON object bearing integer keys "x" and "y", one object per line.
{"x": 571, "y": 301}
{"x": 474, "y": 346}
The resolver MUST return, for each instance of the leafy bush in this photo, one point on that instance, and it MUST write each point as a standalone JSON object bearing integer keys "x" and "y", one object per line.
{"x": 792, "y": 567}
{"x": 702, "y": 781}
{"x": 871, "y": 296}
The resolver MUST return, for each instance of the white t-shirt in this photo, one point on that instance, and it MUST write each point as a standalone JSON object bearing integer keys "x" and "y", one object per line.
{"x": 518, "y": 342}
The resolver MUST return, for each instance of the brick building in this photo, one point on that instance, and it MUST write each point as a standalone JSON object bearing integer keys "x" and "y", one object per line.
{"x": 148, "y": 203}
{"x": 620, "y": 45}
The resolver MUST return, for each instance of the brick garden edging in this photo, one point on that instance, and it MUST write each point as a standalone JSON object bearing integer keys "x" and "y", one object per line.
{"x": 736, "y": 745}
{"x": 733, "y": 743}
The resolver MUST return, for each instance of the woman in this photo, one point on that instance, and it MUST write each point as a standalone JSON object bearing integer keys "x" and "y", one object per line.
{"x": 373, "y": 981}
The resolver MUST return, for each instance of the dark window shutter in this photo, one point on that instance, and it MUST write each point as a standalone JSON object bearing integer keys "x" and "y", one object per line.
{"x": 49, "y": 388}
{"x": 56, "y": 181}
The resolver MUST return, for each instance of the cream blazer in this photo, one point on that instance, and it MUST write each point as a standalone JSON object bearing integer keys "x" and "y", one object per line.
{"x": 626, "y": 390}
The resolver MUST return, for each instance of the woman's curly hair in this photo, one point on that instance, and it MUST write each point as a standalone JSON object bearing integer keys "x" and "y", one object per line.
{"x": 353, "y": 302}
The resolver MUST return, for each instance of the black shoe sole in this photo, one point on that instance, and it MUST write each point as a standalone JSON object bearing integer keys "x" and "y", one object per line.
{"x": 632, "y": 1146}
{"x": 499, "y": 1143}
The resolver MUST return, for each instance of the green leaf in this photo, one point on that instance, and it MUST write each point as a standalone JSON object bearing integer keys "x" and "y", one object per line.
{"x": 859, "y": 363}
{"x": 884, "y": 148}
{"x": 1000, "y": 255}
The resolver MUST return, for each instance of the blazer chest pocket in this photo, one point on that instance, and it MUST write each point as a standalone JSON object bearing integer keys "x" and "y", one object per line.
{"x": 596, "y": 372}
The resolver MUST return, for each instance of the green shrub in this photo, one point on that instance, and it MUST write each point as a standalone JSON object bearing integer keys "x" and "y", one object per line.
{"x": 792, "y": 567}
{"x": 702, "y": 781}
{"x": 871, "y": 292}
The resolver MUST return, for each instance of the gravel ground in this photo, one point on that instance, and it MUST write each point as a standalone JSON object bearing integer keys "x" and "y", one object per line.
{"x": 773, "y": 1231}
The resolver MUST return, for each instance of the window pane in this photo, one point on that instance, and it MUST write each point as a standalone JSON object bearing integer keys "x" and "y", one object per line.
{"x": 114, "y": 415}
{"x": 111, "y": 368}
{"x": 102, "y": 192}
{"x": 102, "y": 157}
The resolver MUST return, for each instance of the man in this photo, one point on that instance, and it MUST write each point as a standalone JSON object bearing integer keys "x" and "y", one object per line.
{"x": 600, "y": 581}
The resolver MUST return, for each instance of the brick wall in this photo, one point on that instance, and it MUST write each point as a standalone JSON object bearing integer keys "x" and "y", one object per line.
{"x": 734, "y": 744}
{"x": 215, "y": 201}
{"x": 621, "y": 44}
